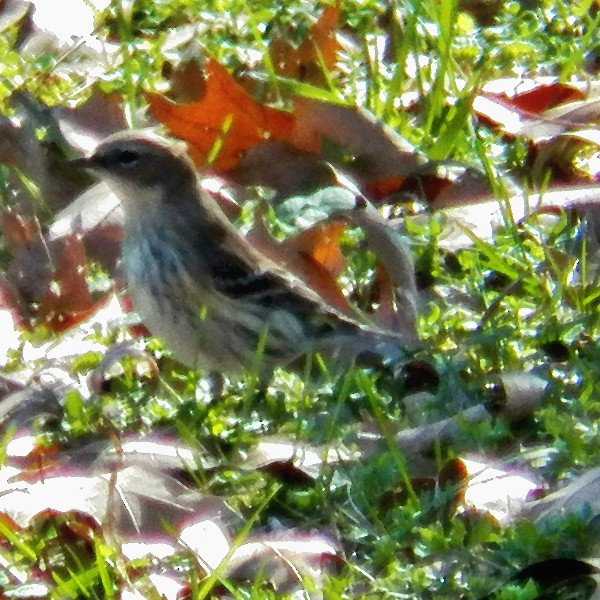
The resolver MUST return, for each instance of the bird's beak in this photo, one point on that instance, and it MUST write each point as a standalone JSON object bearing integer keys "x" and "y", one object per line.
{"x": 86, "y": 162}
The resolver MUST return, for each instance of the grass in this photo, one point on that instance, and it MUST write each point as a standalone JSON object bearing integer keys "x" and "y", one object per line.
{"x": 522, "y": 302}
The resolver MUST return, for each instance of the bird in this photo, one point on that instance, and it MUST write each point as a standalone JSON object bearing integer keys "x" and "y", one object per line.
{"x": 198, "y": 284}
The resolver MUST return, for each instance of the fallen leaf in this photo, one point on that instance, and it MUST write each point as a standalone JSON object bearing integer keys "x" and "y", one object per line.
{"x": 187, "y": 82}
{"x": 209, "y": 540}
{"x": 20, "y": 233}
{"x": 453, "y": 187}
{"x": 292, "y": 461}
{"x": 284, "y": 559}
{"x": 518, "y": 395}
{"x": 282, "y": 167}
{"x": 396, "y": 286}
{"x": 29, "y": 272}
{"x": 78, "y": 340}
{"x": 20, "y": 407}
{"x": 517, "y": 122}
{"x": 498, "y": 491}
{"x": 84, "y": 126}
{"x": 226, "y": 112}
{"x": 520, "y": 404}
{"x": 97, "y": 217}
{"x": 158, "y": 451}
{"x": 582, "y": 492}
{"x": 67, "y": 300}
{"x": 316, "y": 256}
{"x": 132, "y": 500}
{"x": 487, "y": 213}
{"x": 313, "y": 255}
{"x": 377, "y": 151}
{"x": 317, "y": 53}
{"x": 42, "y": 161}
{"x": 226, "y": 116}
{"x": 545, "y": 96}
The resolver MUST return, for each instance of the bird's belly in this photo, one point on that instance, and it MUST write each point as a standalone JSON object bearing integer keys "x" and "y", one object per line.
{"x": 209, "y": 331}
{"x": 195, "y": 342}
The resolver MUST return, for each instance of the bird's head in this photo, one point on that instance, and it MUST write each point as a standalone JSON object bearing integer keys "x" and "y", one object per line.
{"x": 138, "y": 165}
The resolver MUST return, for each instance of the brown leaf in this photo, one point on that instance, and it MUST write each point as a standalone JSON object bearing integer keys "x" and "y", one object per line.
{"x": 284, "y": 559}
{"x": 67, "y": 300}
{"x": 282, "y": 167}
{"x": 322, "y": 42}
{"x": 518, "y": 395}
{"x": 460, "y": 187}
{"x": 29, "y": 272}
{"x": 316, "y": 53}
{"x": 227, "y": 115}
{"x": 497, "y": 111}
{"x": 500, "y": 491}
{"x": 87, "y": 124}
{"x": 22, "y": 406}
{"x": 321, "y": 245}
{"x": 483, "y": 216}
{"x": 583, "y": 491}
{"x": 313, "y": 255}
{"x": 187, "y": 82}
{"x": 160, "y": 451}
{"x": 97, "y": 217}
{"x": 132, "y": 500}
{"x": 20, "y": 233}
{"x": 378, "y": 152}
{"x": 292, "y": 461}
{"x": 396, "y": 282}
{"x": 48, "y": 273}
{"x": 224, "y": 105}
{"x": 515, "y": 121}
{"x": 523, "y": 400}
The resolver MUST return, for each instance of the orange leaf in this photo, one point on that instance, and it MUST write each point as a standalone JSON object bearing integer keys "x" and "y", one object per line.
{"x": 321, "y": 243}
{"x": 319, "y": 50}
{"x": 201, "y": 123}
{"x": 383, "y": 188}
{"x": 313, "y": 255}
{"x": 320, "y": 261}
{"x": 322, "y": 40}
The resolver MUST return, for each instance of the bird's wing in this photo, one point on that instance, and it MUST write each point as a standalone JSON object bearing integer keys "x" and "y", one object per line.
{"x": 255, "y": 279}
{"x": 241, "y": 272}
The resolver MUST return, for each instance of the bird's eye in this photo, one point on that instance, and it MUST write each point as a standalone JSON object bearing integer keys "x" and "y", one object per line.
{"x": 127, "y": 157}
